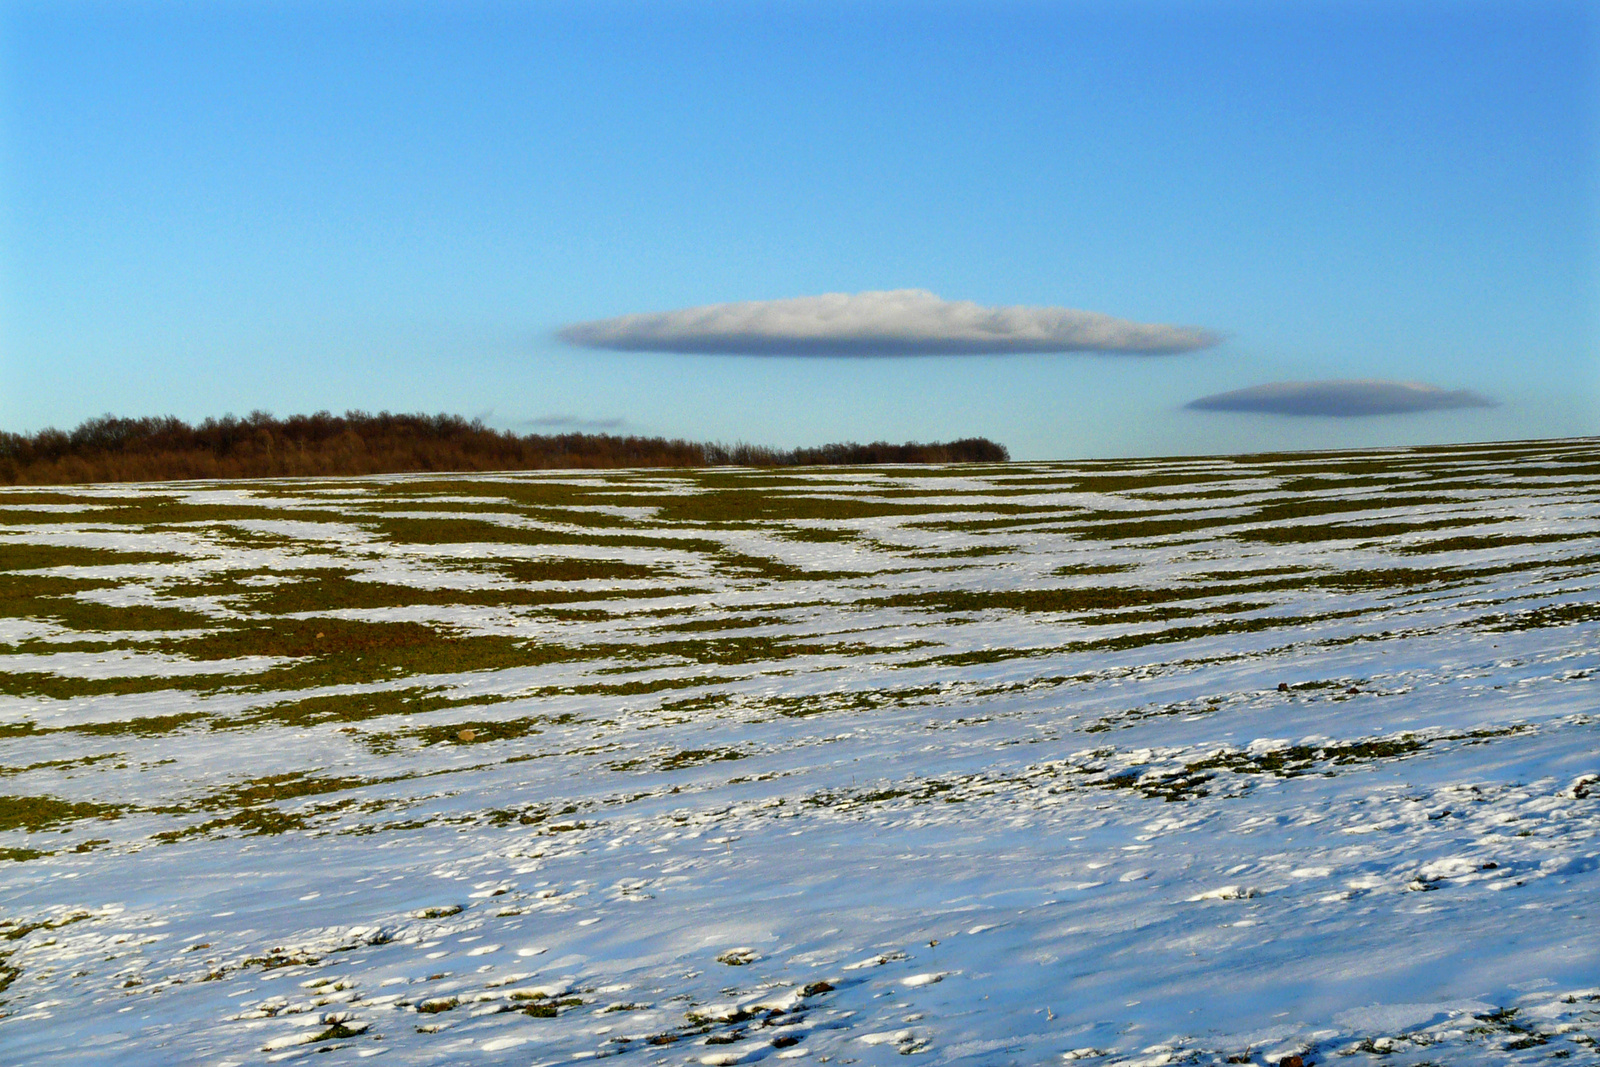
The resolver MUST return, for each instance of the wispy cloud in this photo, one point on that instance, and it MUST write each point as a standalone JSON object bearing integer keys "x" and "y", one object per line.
{"x": 1342, "y": 399}
{"x": 573, "y": 422}
{"x": 903, "y": 322}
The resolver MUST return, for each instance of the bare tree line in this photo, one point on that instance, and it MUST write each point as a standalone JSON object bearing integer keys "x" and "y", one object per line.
{"x": 113, "y": 449}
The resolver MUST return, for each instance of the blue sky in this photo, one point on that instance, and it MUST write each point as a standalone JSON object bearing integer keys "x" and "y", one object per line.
{"x": 222, "y": 207}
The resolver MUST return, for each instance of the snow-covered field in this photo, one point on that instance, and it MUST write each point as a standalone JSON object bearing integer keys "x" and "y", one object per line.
{"x": 1201, "y": 761}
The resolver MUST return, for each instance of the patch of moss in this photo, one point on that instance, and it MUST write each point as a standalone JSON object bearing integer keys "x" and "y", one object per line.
{"x": 52, "y": 598}
{"x": 1239, "y": 575}
{"x": 1177, "y": 634}
{"x": 481, "y": 731}
{"x": 15, "y": 497}
{"x": 629, "y": 689}
{"x": 738, "y": 650}
{"x": 1070, "y": 569}
{"x": 1117, "y": 483}
{"x": 156, "y": 511}
{"x": 695, "y": 757}
{"x": 18, "y": 592}
{"x": 35, "y": 813}
{"x": 253, "y": 802}
{"x": 477, "y": 531}
{"x": 15, "y": 556}
{"x": 799, "y": 707}
{"x": 1538, "y": 618}
{"x": 336, "y": 589}
{"x": 760, "y": 504}
{"x": 817, "y": 534}
{"x": 62, "y": 687}
{"x": 250, "y": 822}
{"x": 9, "y": 517}
{"x": 142, "y": 725}
{"x": 528, "y": 814}
{"x": 1068, "y": 599}
{"x": 389, "y": 504}
{"x": 970, "y": 552}
{"x": 917, "y": 791}
{"x": 17, "y": 929}
{"x": 1028, "y": 523}
{"x": 742, "y": 565}
{"x": 1311, "y": 505}
{"x": 59, "y": 764}
{"x": 1122, "y": 642}
{"x": 1470, "y": 543}
{"x": 578, "y": 570}
{"x": 1193, "y": 779}
{"x": 20, "y": 855}
{"x": 549, "y": 1009}
{"x": 738, "y": 622}
{"x": 334, "y": 651}
{"x": 1166, "y": 613}
{"x": 976, "y": 657}
{"x": 276, "y": 787}
{"x": 1138, "y": 529}
{"x": 1312, "y": 533}
{"x": 281, "y": 957}
{"x": 503, "y": 504}
{"x": 346, "y": 707}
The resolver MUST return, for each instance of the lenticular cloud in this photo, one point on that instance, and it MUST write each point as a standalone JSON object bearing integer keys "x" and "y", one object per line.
{"x": 904, "y": 322}
{"x": 1342, "y": 399}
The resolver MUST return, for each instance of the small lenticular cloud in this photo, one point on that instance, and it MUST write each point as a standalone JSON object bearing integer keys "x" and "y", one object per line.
{"x": 1342, "y": 399}
{"x": 904, "y": 322}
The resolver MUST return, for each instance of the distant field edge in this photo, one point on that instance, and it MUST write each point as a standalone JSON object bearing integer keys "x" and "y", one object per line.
{"x": 165, "y": 449}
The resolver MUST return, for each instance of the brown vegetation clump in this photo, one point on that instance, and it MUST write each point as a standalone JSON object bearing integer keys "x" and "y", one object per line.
{"x": 112, "y": 449}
